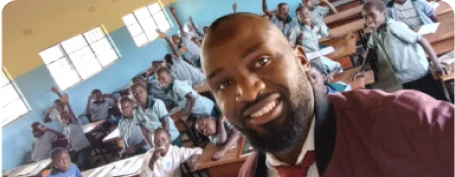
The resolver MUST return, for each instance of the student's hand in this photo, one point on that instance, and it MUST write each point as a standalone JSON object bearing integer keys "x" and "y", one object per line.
{"x": 234, "y": 7}
{"x": 218, "y": 154}
{"x": 160, "y": 33}
{"x": 192, "y": 162}
{"x": 440, "y": 68}
{"x": 54, "y": 89}
{"x": 157, "y": 153}
{"x": 172, "y": 9}
{"x": 49, "y": 111}
{"x": 358, "y": 74}
{"x": 65, "y": 98}
{"x": 130, "y": 150}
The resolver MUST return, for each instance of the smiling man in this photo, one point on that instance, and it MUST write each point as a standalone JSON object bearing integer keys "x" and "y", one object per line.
{"x": 260, "y": 84}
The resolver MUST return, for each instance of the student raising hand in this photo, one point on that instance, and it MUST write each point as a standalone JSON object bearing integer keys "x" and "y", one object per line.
{"x": 160, "y": 33}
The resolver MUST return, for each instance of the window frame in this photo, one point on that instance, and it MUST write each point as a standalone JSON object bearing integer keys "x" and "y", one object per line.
{"x": 66, "y": 56}
{"x": 151, "y": 15}
{"x": 20, "y": 96}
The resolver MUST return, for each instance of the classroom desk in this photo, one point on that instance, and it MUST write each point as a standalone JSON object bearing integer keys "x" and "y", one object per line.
{"x": 356, "y": 11}
{"x": 346, "y": 75}
{"x": 115, "y": 167}
{"x": 227, "y": 166}
{"x": 32, "y": 169}
{"x": 92, "y": 126}
{"x": 442, "y": 7}
{"x": 445, "y": 29}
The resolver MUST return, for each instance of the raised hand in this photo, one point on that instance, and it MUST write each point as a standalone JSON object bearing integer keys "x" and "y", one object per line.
{"x": 172, "y": 9}
{"x": 54, "y": 89}
{"x": 160, "y": 33}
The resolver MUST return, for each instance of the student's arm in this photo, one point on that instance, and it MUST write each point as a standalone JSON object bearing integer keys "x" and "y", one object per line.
{"x": 177, "y": 20}
{"x": 56, "y": 91}
{"x": 59, "y": 134}
{"x": 169, "y": 42}
{"x": 429, "y": 11}
{"x": 155, "y": 156}
{"x": 234, "y": 7}
{"x": 195, "y": 27}
{"x": 191, "y": 101}
{"x": 429, "y": 50}
{"x": 47, "y": 117}
{"x": 330, "y": 6}
{"x": 160, "y": 109}
{"x": 266, "y": 10}
{"x": 132, "y": 149}
{"x": 190, "y": 156}
{"x": 222, "y": 135}
{"x": 145, "y": 134}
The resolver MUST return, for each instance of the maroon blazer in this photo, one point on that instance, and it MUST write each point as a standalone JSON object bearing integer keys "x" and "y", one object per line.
{"x": 375, "y": 134}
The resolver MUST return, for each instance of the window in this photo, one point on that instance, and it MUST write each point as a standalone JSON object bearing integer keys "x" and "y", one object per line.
{"x": 12, "y": 104}
{"x": 143, "y": 22}
{"x": 79, "y": 57}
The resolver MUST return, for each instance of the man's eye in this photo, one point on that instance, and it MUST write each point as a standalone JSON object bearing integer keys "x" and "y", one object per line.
{"x": 262, "y": 62}
{"x": 223, "y": 85}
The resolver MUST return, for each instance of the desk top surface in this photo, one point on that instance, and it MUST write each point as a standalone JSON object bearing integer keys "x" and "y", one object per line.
{"x": 32, "y": 169}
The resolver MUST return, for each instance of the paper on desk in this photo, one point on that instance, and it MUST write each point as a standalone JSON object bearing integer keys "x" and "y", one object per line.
{"x": 428, "y": 29}
{"x": 321, "y": 52}
{"x": 129, "y": 167}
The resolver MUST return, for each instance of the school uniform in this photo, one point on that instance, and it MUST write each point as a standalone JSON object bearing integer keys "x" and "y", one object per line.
{"x": 318, "y": 13}
{"x": 157, "y": 92}
{"x": 227, "y": 127}
{"x": 131, "y": 133}
{"x": 79, "y": 145}
{"x": 371, "y": 133}
{"x": 413, "y": 13}
{"x": 42, "y": 146}
{"x": 308, "y": 38}
{"x": 72, "y": 172}
{"x": 100, "y": 111}
{"x": 337, "y": 87}
{"x": 188, "y": 49}
{"x": 181, "y": 70}
{"x": 169, "y": 165}
{"x": 285, "y": 27}
{"x": 152, "y": 116}
{"x": 178, "y": 89}
{"x": 397, "y": 46}
{"x": 56, "y": 123}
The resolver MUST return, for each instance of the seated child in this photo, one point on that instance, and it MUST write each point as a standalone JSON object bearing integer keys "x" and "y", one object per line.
{"x": 402, "y": 49}
{"x": 413, "y": 13}
{"x": 129, "y": 130}
{"x": 280, "y": 18}
{"x": 165, "y": 159}
{"x": 318, "y": 12}
{"x": 61, "y": 165}
{"x": 219, "y": 132}
{"x": 319, "y": 81}
{"x": 306, "y": 35}
{"x": 42, "y": 144}
{"x": 154, "y": 89}
{"x": 60, "y": 105}
{"x": 151, "y": 114}
{"x": 185, "y": 96}
{"x": 98, "y": 105}
{"x": 80, "y": 148}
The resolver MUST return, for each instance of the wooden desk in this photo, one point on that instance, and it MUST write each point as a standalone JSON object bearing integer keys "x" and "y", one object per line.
{"x": 32, "y": 169}
{"x": 227, "y": 166}
{"x": 442, "y": 7}
{"x": 445, "y": 29}
{"x": 352, "y": 27}
{"x": 114, "y": 167}
{"x": 346, "y": 75}
{"x": 356, "y": 11}
{"x": 344, "y": 48}
{"x": 92, "y": 126}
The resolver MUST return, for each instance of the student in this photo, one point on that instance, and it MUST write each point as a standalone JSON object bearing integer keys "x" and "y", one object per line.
{"x": 306, "y": 35}
{"x": 98, "y": 105}
{"x": 261, "y": 86}
{"x": 319, "y": 12}
{"x": 61, "y": 165}
{"x": 42, "y": 144}
{"x": 404, "y": 49}
{"x": 60, "y": 104}
{"x": 154, "y": 89}
{"x": 281, "y": 17}
{"x": 320, "y": 81}
{"x": 413, "y": 13}
{"x": 151, "y": 113}
{"x": 129, "y": 130}
{"x": 80, "y": 148}
{"x": 185, "y": 96}
{"x": 219, "y": 132}
{"x": 165, "y": 159}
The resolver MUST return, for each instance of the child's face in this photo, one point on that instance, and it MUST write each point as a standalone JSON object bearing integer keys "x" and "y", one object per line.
{"x": 206, "y": 126}
{"x": 162, "y": 139}
{"x": 164, "y": 79}
{"x": 127, "y": 109}
{"x": 140, "y": 95}
{"x": 36, "y": 131}
{"x": 304, "y": 16}
{"x": 316, "y": 79}
{"x": 309, "y": 3}
{"x": 62, "y": 161}
{"x": 283, "y": 11}
{"x": 373, "y": 17}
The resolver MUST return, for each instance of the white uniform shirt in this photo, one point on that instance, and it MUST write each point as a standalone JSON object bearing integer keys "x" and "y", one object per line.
{"x": 76, "y": 136}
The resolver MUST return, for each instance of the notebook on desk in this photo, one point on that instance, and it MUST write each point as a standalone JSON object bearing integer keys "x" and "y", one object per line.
{"x": 321, "y": 52}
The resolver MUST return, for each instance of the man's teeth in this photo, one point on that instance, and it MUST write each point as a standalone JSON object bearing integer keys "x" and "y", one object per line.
{"x": 266, "y": 109}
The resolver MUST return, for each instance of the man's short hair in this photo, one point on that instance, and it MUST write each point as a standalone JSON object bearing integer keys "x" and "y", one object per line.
{"x": 95, "y": 91}
{"x": 378, "y": 4}
{"x": 57, "y": 151}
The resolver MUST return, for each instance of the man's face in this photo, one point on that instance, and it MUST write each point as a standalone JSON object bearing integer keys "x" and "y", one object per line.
{"x": 140, "y": 95}
{"x": 373, "y": 17}
{"x": 206, "y": 126}
{"x": 162, "y": 139}
{"x": 283, "y": 11}
{"x": 316, "y": 79}
{"x": 127, "y": 109}
{"x": 258, "y": 82}
{"x": 62, "y": 161}
{"x": 164, "y": 79}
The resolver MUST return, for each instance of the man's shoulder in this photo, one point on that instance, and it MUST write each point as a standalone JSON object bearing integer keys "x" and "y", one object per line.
{"x": 249, "y": 166}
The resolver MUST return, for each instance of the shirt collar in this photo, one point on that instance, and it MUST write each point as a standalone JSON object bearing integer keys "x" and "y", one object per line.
{"x": 308, "y": 145}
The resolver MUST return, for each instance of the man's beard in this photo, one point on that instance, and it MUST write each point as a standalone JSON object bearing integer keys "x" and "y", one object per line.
{"x": 277, "y": 136}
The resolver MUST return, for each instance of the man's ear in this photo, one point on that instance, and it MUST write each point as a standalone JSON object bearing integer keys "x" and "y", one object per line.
{"x": 302, "y": 59}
